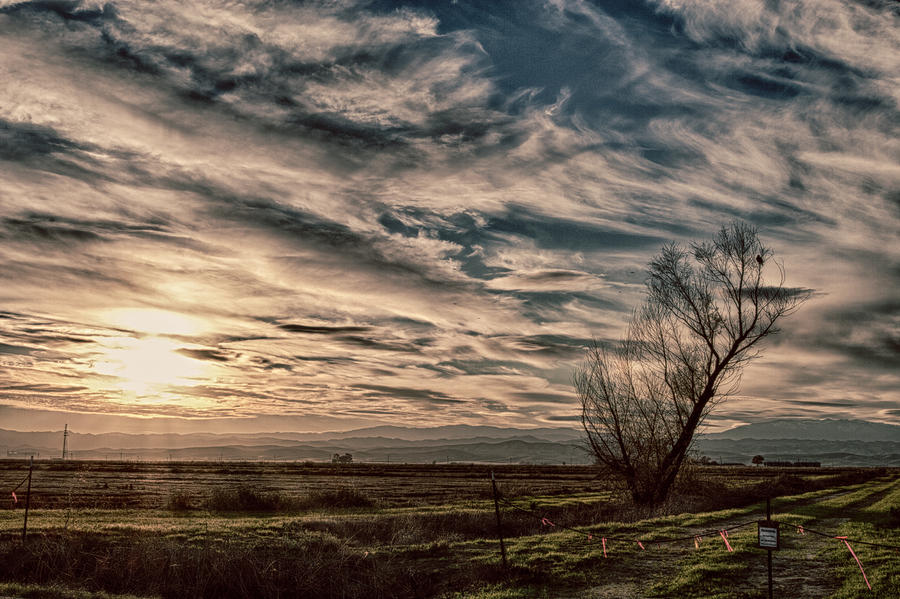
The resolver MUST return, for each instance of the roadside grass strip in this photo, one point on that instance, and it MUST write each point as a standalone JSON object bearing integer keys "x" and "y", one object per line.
{"x": 503, "y": 591}
{"x": 881, "y": 564}
{"x": 710, "y": 571}
{"x": 879, "y": 513}
{"x": 856, "y": 495}
{"x": 865, "y": 527}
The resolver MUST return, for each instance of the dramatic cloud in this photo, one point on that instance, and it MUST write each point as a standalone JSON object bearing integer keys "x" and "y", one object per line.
{"x": 337, "y": 213}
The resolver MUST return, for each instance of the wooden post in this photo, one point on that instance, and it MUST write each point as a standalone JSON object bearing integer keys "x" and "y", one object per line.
{"x": 499, "y": 525}
{"x": 769, "y": 552}
{"x": 27, "y": 499}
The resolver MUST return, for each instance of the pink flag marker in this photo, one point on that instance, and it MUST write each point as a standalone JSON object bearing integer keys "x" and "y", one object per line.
{"x": 800, "y": 530}
{"x": 641, "y": 545}
{"x": 547, "y": 522}
{"x": 15, "y": 499}
{"x": 604, "y": 546}
{"x": 858, "y": 563}
{"x": 724, "y": 535}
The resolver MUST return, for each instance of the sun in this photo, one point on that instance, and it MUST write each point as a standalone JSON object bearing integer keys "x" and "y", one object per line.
{"x": 147, "y": 362}
{"x": 150, "y": 365}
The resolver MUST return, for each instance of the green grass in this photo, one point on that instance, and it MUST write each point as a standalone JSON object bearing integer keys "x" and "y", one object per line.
{"x": 503, "y": 591}
{"x": 711, "y": 571}
{"x": 882, "y": 566}
{"x": 871, "y": 523}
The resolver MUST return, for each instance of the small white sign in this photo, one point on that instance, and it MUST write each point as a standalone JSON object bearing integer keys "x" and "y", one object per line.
{"x": 768, "y": 537}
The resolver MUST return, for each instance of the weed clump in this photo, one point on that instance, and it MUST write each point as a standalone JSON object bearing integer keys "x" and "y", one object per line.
{"x": 248, "y": 499}
{"x": 245, "y": 499}
{"x": 893, "y": 520}
{"x": 180, "y": 501}
{"x": 343, "y": 497}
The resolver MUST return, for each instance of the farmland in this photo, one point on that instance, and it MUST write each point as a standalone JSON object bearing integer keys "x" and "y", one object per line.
{"x": 100, "y": 529}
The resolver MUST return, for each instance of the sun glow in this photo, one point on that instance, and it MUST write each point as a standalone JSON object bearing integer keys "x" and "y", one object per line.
{"x": 150, "y": 365}
{"x": 147, "y": 364}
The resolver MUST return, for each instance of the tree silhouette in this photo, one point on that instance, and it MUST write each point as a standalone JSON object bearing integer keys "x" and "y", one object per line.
{"x": 706, "y": 311}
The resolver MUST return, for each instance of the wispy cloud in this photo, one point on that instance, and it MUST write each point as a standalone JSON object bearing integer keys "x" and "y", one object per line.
{"x": 361, "y": 210}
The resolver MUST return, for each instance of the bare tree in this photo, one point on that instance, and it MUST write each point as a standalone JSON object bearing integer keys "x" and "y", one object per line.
{"x": 706, "y": 311}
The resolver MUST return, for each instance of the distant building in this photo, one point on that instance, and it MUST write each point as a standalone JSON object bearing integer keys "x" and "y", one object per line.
{"x": 784, "y": 464}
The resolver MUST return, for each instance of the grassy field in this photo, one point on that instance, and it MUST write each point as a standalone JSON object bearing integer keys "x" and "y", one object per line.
{"x": 99, "y": 529}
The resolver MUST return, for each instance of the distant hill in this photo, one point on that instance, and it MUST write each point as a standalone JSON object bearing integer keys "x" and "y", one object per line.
{"x": 383, "y": 443}
{"x": 380, "y": 434}
{"x": 831, "y": 442}
{"x": 448, "y": 432}
{"x": 824, "y": 429}
{"x": 828, "y": 452}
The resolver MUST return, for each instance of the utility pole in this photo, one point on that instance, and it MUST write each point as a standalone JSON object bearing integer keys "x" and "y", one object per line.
{"x": 65, "y": 440}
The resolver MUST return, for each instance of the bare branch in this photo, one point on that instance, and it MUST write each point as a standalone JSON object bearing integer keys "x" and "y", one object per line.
{"x": 705, "y": 313}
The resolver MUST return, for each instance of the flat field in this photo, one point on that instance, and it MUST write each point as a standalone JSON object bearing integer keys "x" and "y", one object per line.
{"x": 102, "y": 529}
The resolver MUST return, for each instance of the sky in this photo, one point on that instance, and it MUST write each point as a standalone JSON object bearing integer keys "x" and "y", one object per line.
{"x": 273, "y": 215}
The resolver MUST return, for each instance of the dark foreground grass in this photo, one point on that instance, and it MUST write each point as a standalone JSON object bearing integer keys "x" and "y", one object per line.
{"x": 295, "y": 565}
{"x": 54, "y": 591}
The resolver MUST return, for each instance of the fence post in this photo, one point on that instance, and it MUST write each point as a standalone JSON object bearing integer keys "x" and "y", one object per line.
{"x": 499, "y": 524}
{"x": 769, "y": 552}
{"x": 27, "y": 499}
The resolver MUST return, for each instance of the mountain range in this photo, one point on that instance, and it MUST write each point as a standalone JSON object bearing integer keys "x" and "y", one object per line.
{"x": 823, "y": 429}
{"x": 831, "y": 442}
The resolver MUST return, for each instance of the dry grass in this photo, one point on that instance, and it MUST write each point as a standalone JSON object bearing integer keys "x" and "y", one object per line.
{"x": 314, "y": 565}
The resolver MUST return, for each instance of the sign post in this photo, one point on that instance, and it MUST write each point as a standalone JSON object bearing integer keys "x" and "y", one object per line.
{"x": 27, "y": 499}
{"x": 768, "y": 538}
{"x": 499, "y": 525}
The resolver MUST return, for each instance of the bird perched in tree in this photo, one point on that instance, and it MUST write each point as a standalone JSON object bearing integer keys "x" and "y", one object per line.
{"x": 759, "y": 259}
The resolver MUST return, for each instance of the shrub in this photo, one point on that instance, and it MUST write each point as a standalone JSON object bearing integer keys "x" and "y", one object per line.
{"x": 179, "y": 501}
{"x": 244, "y": 499}
{"x": 893, "y": 518}
{"x": 341, "y": 497}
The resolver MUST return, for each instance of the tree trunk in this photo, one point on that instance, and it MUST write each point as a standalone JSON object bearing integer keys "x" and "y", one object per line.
{"x": 695, "y": 331}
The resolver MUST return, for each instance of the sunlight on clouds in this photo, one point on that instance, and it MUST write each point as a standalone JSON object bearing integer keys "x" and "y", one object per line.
{"x": 261, "y": 208}
{"x": 149, "y": 366}
{"x": 153, "y": 321}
